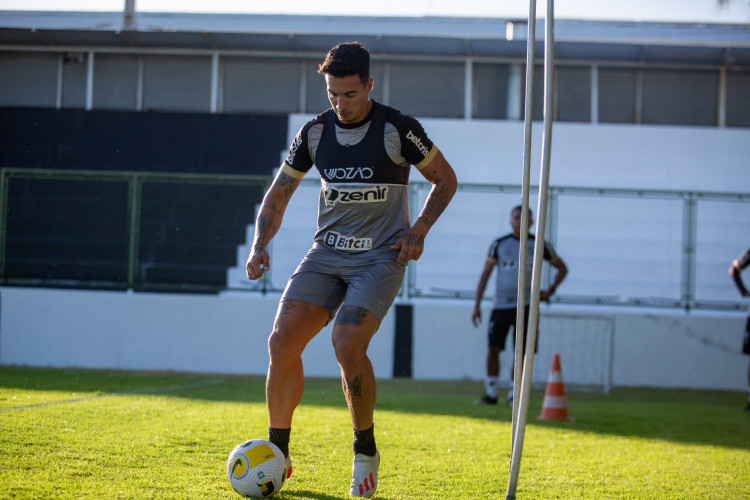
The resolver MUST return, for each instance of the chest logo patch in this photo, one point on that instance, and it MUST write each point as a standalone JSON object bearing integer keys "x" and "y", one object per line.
{"x": 348, "y": 243}
{"x": 348, "y": 173}
{"x": 370, "y": 194}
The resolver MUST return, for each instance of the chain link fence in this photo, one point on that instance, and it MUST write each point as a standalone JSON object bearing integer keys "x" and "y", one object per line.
{"x": 192, "y": 232}
{"x": 623, "y": 247}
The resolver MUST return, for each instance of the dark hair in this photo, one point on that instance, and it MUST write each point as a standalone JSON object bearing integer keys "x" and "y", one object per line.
{"x": 519, "y": 208}
{"x": 346, "y": 59}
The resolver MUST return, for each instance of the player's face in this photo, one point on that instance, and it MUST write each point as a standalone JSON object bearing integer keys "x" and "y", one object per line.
{"x": 515, "y": 222}
{"x": 349, "y": 97}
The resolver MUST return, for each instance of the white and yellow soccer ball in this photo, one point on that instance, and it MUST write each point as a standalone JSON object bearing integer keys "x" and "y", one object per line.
{"x": 256, "y": 469}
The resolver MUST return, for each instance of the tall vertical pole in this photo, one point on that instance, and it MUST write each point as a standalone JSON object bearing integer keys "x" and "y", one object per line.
{"x": 521, "y": 305}
{"x": 4, "y": 192}
{"x": 128, "y": 20}
{"x": 135, "y": 190}
{"x": 90, "y": 80}
{"x": 536, "y": 279}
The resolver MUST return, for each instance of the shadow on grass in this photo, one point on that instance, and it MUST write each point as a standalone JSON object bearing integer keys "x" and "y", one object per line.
{"x": 284, "y": 494}
{"x": 294, "y": 494}
{"x": 697, "y": 417}
{"x": 299, "y": 494}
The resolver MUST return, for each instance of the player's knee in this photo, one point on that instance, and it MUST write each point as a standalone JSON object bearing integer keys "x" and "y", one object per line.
{"x": 275, "y": 346}
{"x": 281, "y": 346}
{"x": 342, "y": 347}
{"x": 347, "y": 349}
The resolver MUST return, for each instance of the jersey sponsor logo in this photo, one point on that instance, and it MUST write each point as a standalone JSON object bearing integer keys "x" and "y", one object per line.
{"x": 375, "y": 194}
{"x": 348, "y": 173}
{"x": 293, "y": 150}
{"x": 350, "y": 243}
{"x": 417, "y": 142}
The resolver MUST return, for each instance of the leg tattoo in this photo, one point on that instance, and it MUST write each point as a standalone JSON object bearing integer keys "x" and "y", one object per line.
{"x": 351, "y": 316}
{"x": 354, "y": 386}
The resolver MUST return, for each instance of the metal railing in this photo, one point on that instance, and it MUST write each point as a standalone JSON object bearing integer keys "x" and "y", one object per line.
{"x": 622, "y": 247}
{"x": 44, "y": 211}
{"x": 136, "y": 230}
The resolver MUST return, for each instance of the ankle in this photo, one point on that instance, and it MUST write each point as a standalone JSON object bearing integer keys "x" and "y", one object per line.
{"x": 364, "y": 442}
{"x": 280, "y": 437}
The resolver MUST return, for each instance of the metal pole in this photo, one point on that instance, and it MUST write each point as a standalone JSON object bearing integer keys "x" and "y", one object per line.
{"x": 128, "y": 21}
{"x": 4, "y": 192}
{"x": 536, "y": 279}
{"x": 135, "y": 187}
{"x": 521, "y": 304}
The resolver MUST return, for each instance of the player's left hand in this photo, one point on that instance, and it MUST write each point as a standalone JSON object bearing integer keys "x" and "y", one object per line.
{"x": 410, "y": 246}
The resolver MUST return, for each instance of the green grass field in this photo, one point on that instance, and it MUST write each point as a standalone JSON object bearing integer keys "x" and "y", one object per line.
{"x": 95, "y": 434}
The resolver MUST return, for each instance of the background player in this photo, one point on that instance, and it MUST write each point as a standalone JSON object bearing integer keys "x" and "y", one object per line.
{"x": 503, "y": 254}
{"x": 735, "y": 271}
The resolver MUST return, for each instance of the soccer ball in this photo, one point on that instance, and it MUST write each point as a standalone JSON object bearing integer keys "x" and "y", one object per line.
{"x": 256, "y": 469}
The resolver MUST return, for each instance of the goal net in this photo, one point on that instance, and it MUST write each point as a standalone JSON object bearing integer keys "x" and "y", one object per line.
{"x": 584, "y": 343}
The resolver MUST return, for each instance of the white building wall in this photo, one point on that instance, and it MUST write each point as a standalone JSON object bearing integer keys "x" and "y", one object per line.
{"x": 227, "y": 334}
{"x": 613, "y": 156}
{"x": 146, "y": 331}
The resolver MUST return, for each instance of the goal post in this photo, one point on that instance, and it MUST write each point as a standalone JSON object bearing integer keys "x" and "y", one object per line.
{"x": 585, "y": 344}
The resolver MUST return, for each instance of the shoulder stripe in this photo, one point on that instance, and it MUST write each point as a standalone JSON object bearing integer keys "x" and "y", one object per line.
{"x": 427, "y": 159}
{"x": 291, "y": 172}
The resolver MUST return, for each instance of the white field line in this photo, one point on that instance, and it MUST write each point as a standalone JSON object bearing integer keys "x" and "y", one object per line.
{"x": 108, "y": 394}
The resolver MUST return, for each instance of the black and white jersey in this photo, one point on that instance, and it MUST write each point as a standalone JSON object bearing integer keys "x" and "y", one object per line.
{"x": 504, "y": 252}
{"x": 364, "y": 170}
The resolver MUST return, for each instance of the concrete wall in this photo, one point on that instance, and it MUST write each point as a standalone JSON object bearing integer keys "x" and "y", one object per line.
{"x": 599, "y": 156}
{"x": 227, "y": 334}
{"x": 144, "y": 331}
{"x": 648, "y": 347}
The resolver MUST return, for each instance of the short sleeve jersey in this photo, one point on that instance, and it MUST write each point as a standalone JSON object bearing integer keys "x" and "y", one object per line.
{"x": 364, "y": 170}
{"x": 504, "y": 251}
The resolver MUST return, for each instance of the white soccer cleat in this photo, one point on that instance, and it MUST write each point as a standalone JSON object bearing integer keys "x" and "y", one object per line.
{"x": 288, "y": 472}
{"x": 364, "y": 475}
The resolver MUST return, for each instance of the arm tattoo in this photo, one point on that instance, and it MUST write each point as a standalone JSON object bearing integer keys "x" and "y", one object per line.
{"x": 435, "y": 205}
{"x": 289, "y": 184}
{"x": 272, "y": 210}
{"x": 263, "y": 224}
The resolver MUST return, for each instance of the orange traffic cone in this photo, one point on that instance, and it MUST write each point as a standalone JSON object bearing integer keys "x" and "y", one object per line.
{"x": 554, "y": 407}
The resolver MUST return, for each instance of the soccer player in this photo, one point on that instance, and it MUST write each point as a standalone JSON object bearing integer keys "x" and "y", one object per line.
{"x": 363, "y": 151}
{"x": 504, "y": 254}
{"x": 734, "y": 271}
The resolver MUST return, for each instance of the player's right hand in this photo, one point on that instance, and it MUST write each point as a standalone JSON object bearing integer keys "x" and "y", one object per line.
{"x": 258, "y": 262}
{"x": 476, "y": 317}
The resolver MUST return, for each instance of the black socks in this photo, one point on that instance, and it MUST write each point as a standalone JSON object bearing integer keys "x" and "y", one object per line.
{"x": 280, "y": 437}
{"x": 364, "y": 442}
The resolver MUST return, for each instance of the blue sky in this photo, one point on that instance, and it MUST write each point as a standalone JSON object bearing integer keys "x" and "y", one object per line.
{"x": 737, "y": 11}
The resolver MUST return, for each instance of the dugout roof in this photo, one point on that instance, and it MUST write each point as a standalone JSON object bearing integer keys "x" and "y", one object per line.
{"x": 440, "y": 37}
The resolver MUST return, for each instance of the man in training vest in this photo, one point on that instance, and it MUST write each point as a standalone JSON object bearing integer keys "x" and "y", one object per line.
{"x": 363, "y": 151}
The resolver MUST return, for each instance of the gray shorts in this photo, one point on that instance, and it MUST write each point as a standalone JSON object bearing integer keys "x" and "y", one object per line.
{"x": 326, "y": 278}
